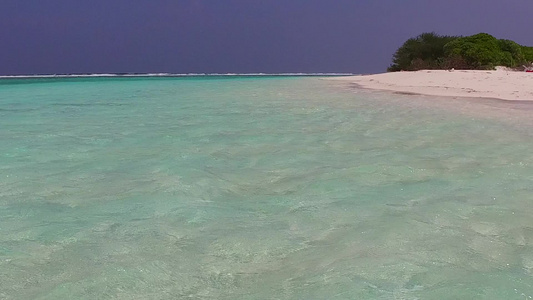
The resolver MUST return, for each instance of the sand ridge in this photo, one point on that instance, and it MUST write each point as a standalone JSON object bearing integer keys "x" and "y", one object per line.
{"x": 500, "y": 83}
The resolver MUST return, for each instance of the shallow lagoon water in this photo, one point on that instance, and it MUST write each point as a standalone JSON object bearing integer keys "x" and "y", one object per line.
{"x": 260, "y": 188}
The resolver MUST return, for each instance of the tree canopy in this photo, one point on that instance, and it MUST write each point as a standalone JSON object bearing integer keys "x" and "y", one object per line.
{"x": 480, "y": 51}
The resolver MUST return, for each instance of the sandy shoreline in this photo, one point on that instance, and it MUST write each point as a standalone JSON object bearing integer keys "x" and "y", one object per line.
{"x": 499, "y": 84}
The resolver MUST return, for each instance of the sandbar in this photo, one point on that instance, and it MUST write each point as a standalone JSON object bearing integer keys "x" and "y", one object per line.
{"x": 499, "y": 84}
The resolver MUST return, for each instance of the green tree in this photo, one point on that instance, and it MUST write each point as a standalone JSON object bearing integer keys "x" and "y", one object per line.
{"x": 512, "y": 53}
{"x": 425, "y": 51}
{"x": 483, "y": 51}
{"x": 479, "y": 51}
{"x": 528, "y": 54}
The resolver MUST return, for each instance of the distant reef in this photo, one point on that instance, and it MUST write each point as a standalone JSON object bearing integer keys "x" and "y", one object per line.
{"x": 481, "y": 51}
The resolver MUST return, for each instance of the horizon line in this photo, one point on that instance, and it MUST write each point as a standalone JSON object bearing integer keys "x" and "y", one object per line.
{"x": 88, "y": 75}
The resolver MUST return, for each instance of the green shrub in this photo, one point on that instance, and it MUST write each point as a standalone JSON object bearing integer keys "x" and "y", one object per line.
{"x": 424, "y": 51}
{"x": 513, "y": 55}
{"x": 479, "y": 51}
{"x": 483, "y": 51}
{"x": 528, "y": 53}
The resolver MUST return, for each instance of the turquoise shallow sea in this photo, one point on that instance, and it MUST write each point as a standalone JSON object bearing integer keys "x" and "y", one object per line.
{"x": 260, "y": 188}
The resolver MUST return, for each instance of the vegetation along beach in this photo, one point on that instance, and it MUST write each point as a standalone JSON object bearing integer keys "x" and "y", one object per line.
{"x": 473, "y": 66}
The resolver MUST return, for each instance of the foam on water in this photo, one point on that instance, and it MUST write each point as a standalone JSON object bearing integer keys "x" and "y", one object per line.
{"x": 260, "y": 188}
{"x": 96, "y": 75}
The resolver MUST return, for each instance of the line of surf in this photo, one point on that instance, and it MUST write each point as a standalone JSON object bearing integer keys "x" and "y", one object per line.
{"x": 169, "y": 75}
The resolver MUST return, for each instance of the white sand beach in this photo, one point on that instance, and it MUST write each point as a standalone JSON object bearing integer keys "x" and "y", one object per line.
{"x": 500, "y": 83}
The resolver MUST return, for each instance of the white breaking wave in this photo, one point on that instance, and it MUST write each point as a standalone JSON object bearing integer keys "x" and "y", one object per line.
{"x": 170, "y": 75}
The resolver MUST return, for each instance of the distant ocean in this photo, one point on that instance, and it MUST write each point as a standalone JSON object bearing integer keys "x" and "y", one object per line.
{"x": 260, "y": 187}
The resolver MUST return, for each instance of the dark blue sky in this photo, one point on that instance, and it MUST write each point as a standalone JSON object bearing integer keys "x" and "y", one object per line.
{"x": 241, "y": 36}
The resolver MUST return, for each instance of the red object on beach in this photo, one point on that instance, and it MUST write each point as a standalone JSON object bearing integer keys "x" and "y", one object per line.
{"x": 529, "y": 71}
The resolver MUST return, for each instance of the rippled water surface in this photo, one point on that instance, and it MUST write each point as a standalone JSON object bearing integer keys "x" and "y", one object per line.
{"x": 260, "y": 188}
